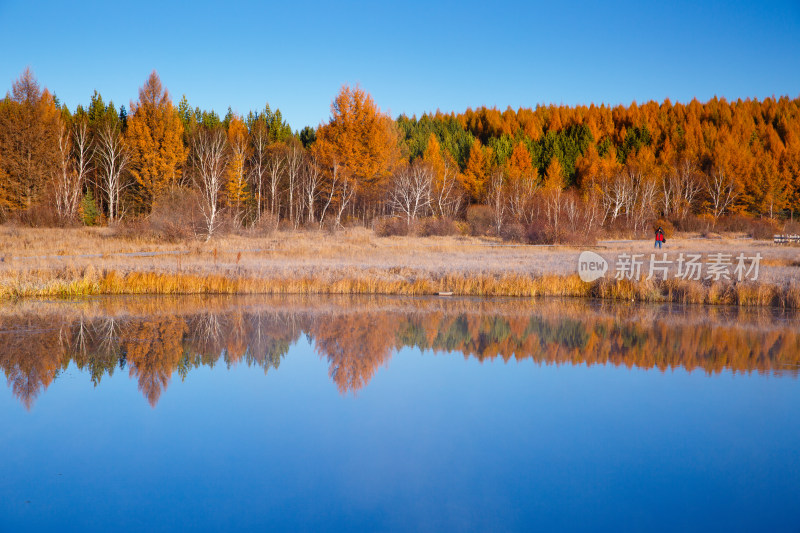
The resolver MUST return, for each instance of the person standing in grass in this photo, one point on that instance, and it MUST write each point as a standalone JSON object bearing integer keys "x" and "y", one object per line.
{"x": 660, "y": 238}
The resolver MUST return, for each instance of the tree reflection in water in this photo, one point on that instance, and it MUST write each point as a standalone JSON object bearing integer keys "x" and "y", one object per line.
{"x": 156, "y": 337}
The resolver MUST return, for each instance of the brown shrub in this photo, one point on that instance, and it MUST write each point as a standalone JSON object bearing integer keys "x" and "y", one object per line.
{"x": 176, "y": 216}
{"x": 577, "y": 238}
{"x": 439, "y": 227}
{"x": 539, "y": 233}
{"x": 514, "y": 232}
{"x": 757, "y": 228}
{"x": 263, "y": 227}
{"x": 666, "y": 225}
{"x": 40, "y": 215}
{"x": 763, "y": 229}
{"x": 792, "y": 227}
{"x": 480, "y": 219}
{"x": 390, "y": 226}
{"x": 692, "y": 224}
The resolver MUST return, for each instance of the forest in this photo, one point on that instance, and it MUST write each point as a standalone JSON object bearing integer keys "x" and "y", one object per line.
{"x": 544, "y": 174}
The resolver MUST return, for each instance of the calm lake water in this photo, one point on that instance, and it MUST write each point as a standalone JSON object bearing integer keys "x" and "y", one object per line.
{"x": 362, "y": 414}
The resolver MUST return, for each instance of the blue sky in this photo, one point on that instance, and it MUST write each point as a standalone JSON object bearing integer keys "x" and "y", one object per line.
{"x": 413, "y": 56}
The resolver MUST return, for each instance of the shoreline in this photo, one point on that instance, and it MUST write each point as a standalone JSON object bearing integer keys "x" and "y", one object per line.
{"x": 87, "y": 281}
{"x": 70, "y": 262}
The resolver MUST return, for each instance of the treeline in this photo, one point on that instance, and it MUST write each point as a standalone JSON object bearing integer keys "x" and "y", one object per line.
{"x": 540, "y": 173}
{"x": 152, "y": 349}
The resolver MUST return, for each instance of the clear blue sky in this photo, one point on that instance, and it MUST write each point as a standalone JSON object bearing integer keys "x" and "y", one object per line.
{"x": 412, "y": 56}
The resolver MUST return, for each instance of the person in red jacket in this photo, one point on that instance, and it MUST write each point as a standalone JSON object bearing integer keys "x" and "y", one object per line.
{"x": 660, "y": 237}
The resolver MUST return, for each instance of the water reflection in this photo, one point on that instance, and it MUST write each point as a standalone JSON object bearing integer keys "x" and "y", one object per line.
{"x": 156, "y": 338}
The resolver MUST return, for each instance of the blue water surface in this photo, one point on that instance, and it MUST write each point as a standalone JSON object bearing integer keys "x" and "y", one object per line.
{"x": 434, "y": 442}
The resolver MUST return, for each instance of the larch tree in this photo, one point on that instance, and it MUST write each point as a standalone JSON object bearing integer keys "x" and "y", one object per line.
{"x": 29, "y": 147}
{"x": 554, "y": 189}
{"x": 476, "y": 173}
{"x": 523, "y": 183}
{"x": 446, "y": 190}
{"x": 154, "y": 137}
{"x": 362, "y": 139}
{"x": 237, "y": 193}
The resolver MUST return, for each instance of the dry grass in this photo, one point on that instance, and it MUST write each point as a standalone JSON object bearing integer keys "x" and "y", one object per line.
{"x": 356, "y": 261}
{"x": 69, "y": 283}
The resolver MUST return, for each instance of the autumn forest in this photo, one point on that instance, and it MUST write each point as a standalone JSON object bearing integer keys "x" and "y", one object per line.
{"x": 537, "y": 174}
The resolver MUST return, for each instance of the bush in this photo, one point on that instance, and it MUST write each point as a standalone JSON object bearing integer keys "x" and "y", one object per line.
{"x": 176, "y": 216}
{"x": 763, "y": 229}
{"x": 666, "y": 225}
{"x": 38, "y": 216}
{"x": 578, "y": 238}
{"x": 792, "y": 227}
{"x": 390, "y": 227}
{"x": 480, "y": 219}
{"x": 264, "y": 226}
{"x": 757, "y": 228}
{"x": 539, "y": 233}
{"x": 692, "y": 224}
{"x": 514, "y": 232}
{"x": 439, "y": 227}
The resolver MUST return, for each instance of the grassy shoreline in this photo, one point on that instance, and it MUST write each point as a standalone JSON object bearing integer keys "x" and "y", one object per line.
{"x": 94, "y": 261}
{"x": 70, "y": 282}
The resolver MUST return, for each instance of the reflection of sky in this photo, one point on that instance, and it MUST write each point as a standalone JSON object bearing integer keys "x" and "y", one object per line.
{"x": 434, "y": 442}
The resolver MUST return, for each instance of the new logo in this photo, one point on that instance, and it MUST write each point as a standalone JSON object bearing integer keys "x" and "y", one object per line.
{"x": 591, "y": 266}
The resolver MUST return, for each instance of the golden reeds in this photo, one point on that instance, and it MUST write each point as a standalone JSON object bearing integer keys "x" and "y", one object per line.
{"x": 70, "y": 282}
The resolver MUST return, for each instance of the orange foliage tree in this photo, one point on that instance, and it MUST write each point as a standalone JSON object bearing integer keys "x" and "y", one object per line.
{"x": 155, "y": 140}
{"x": 476, "y": 173}
{"x": 29, "y": 126}
{"x": 237, "y": 193}
{"x": 362, "y": 139}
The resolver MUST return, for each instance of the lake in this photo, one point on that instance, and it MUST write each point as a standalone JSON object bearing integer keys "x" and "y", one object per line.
{"x": 391, "y": 413}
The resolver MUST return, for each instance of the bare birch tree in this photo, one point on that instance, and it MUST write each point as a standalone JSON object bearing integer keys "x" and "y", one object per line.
{"x": 68, "y": 182}
{"x": 521, "y": 193}
{"x": 722, "y": 193}
{"x": 276, "y": 162}
{"x": 553, "y": 199}
{"x": 683, "y": 187}
{"x": 496, "y": 198}
{"x": 84, "y": 151}
{"x": 614, "y": 196}
{"x": 446, "y": 192}
{"x": 410, "y": 194}
{"x": 209, "y": 159}
{"x": 311, "y": 179}
{"x": 113, "y": 159}
{"x": 294, "y": 163}
{"x": 339, "y": 193}
{"x": 646, "y": 194}
{"x": 259, "y": 163}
